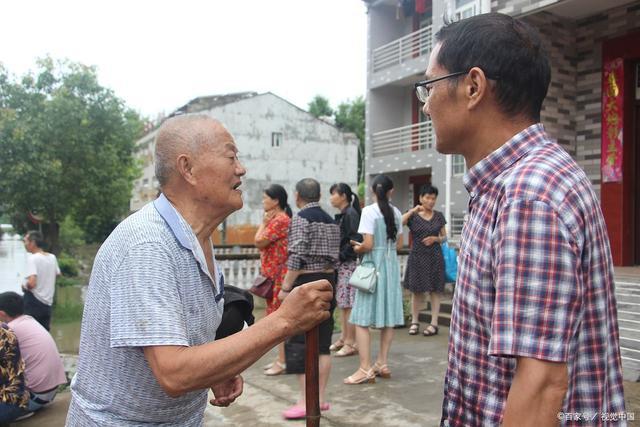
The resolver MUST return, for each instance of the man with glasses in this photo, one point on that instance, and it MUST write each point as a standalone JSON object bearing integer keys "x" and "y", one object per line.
{"x": 534, "y": 332}
{"x": 148, "y": 352}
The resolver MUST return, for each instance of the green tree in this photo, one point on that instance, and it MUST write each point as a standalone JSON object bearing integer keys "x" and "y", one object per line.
{"x": 350, "y": 117}
{"x": 319, "y": 106}
{"x": 66, "y": 145}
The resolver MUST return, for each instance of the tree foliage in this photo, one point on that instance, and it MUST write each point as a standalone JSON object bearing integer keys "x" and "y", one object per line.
{"x": 350, "y": 117}
{"x": 66, "y": 145}
{"x": 319, "y": 106}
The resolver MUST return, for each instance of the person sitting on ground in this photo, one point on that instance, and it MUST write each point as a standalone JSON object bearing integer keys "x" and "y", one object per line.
{"x": 14, "y": 396}
{"x": 44, "y": 370}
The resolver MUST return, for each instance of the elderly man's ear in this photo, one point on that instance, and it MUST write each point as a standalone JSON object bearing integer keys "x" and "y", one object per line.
{"x": 184, "y": 165}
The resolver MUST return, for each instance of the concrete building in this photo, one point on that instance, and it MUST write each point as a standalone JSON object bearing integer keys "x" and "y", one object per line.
{"x": 278, "y": 143}
{"x": 592, "y": 108}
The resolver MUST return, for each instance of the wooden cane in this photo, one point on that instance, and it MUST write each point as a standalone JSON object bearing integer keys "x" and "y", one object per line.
{"x": 312, "y": 378}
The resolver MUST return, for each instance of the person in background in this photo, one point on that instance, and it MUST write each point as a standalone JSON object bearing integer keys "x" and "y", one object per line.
{"x": 534, "y": 334}
{"x": 271, "y": 239}
{"x": 381, "y": 228}
{"x": 40, "y": 285}
{"x": 343, "y": 199}
{"x": 313, "y": 253}
{"x": 425, "y": 267}
{"x": 44, "y": 370}
{"x": 14, "y": 396}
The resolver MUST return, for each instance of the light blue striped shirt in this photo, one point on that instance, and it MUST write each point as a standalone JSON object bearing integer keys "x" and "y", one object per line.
{"x": 149, "y": 286}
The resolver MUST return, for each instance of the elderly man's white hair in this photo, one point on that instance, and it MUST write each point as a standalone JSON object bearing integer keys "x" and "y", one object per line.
{"x": 186, "y": 134}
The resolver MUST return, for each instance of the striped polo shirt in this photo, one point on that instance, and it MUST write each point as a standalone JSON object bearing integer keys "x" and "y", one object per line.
{"x": 149, "y": 286}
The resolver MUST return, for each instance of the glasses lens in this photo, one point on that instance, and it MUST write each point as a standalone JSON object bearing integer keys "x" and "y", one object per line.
{"x": 422, "y": 93}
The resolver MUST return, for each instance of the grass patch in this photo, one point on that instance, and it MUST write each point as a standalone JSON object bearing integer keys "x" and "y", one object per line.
{"x": 67, "y": 311}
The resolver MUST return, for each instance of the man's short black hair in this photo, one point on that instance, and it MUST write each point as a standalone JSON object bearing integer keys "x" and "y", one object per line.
{"x": 36, "y": 237}
{"x": 308, "y": 189}
{"x": 12, "y": 304}
{"x": 503, "y": 47}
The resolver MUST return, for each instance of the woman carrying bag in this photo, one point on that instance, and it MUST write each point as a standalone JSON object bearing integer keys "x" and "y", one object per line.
{"x": 381, "y": 228}
{"x": 271, "y": 239}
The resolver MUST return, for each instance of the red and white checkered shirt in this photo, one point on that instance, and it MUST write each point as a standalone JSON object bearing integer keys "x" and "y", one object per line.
{"x": 535, "y": 280}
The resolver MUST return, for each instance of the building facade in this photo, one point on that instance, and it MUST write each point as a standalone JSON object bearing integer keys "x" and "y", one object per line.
{"x": 277, "y": 142}
{"x": 592, "y": 108}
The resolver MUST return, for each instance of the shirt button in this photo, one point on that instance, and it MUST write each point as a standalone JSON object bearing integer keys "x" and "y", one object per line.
{"x": 472, "y": 194}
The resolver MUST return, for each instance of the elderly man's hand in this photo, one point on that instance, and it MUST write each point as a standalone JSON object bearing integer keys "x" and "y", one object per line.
{"x": 306, "y": 306}
{"x": 225, "y": 393}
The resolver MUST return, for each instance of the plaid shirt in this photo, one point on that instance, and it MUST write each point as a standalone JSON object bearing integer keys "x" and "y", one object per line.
{"x": 314, "y": 240}
{"x": 535, "y": 280}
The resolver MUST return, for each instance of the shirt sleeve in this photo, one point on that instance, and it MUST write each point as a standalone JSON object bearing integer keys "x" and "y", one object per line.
{"x": 367, "y": 221}
{"x": 57, "y": 265}
{"x": 297, "y": 243}
{"x": 537, "y": 288}
{"x": 145, "y": 301}
{"x": 31, "y": 266}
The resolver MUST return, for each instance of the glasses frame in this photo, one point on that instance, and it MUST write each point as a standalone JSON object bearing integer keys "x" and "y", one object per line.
{"x": 423, "y": 96}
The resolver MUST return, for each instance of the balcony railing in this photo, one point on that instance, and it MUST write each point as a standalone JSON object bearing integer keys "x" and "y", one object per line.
{"x": 398, "y": 51}
{"x": 403, "y": 139}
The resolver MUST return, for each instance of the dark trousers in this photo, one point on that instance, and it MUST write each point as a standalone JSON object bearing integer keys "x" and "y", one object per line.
{"x": 36, "y": 309}
{"x": 294, "y": 346}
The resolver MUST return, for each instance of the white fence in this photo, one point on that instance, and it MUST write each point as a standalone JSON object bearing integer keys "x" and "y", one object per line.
{"x": 400, "y": 50}
{"x": 241, "y": 272}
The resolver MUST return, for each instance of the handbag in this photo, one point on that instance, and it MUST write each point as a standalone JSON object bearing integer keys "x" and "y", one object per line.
{"x": 450, "y": 263}
{"x": 262, "y": 287}
{"x": 365, "y": 277}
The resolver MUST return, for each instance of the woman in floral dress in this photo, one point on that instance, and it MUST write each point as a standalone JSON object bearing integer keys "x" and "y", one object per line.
{"x": 271, "y": 239}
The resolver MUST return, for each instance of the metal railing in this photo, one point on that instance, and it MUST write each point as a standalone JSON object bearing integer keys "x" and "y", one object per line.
{"x": 400, "y": 50}
{"x": 414, "y": 137}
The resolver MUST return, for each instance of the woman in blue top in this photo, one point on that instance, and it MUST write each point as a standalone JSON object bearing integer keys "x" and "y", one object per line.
{"x": 381, "y": 228}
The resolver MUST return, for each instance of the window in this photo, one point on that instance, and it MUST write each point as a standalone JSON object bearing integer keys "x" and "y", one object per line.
{"x": 465, "y": 9}
{"x": 457, "y": 221}
{"x": 458, "y": 166}
{"x": 276, "y": 139}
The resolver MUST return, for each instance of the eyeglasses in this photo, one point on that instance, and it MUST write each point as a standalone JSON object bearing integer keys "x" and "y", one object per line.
{"x": 423, "y": 88}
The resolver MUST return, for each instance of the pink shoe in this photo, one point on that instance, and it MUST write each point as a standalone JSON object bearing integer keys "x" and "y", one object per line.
{"x": 299, "y": 411}
{"x": 295, "y": 413}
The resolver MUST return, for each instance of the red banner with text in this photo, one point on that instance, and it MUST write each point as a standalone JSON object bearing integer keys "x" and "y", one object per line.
{"x": 612, "y": 120}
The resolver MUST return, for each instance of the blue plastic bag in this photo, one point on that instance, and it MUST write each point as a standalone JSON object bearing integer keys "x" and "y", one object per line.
{"x": 450, "y": 263}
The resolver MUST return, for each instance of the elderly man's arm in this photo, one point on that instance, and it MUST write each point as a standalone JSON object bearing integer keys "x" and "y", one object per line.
{"x": 536, "y": 393}
{"x": 180, "y": 369}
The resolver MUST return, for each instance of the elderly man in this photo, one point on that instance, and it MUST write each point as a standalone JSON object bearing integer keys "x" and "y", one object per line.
{"x": 40, "y": 285}
{"x": 534, "y": 329}
{"x": 155, "y": 298}
{"x": 313, "y": 253}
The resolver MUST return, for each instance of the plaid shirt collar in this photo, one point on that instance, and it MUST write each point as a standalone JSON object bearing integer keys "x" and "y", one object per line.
{"x": 485, "y": 171}
{"x": 310, "y": 205}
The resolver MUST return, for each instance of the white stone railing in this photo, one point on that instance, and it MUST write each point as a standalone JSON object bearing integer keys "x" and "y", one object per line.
{"x": 414, "y": 137}
{"x": 400, "y": 50}
{"x": 240, "y": 270}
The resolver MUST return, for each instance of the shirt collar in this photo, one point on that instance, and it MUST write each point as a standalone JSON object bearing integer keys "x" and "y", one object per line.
{"x": 178, "y": 226}
{"x": 310, "y": 205}
{"x": 172, "y": 218}
{"x": 486, "y": 170}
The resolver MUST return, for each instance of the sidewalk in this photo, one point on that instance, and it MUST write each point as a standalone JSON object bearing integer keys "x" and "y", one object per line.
{"x": 412, "y": 397}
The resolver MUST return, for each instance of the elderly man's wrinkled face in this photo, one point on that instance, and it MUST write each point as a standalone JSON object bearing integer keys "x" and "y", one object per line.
{"x": 218, "y": 173}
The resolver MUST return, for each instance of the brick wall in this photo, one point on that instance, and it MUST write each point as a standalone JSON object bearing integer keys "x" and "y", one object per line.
{"x": 520, "y": 7}
{"x": 590, "y": 33}
{"x": 572, "y": 111}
